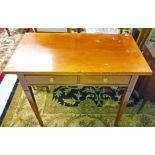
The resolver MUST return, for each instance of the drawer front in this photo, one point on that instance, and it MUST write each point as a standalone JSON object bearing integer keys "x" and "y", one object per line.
{"x": 91, "y": 79}
{"x": 51, "y": 79}
{"x": 106, "y": 80}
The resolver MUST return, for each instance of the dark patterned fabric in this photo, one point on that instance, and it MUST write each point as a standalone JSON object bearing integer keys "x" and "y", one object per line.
{"x": 73, "y": 95}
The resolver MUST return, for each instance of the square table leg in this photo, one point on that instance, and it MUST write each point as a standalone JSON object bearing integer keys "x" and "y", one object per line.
{"x": 125, "y": 99}
{"x": 30, "y": 96}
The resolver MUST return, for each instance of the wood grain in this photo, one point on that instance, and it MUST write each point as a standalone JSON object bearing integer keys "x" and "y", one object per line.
{"x": 78, "y": 53}
{"x": 97, "y": 79}
{"x": 41, "y": 80}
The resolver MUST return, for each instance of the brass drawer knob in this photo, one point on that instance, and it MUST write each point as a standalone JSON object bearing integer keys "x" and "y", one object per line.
{"x": 105, "y": 80}
{"x": 51, "y": 80}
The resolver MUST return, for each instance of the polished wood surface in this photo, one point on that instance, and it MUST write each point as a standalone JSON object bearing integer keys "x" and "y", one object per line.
{"x": 78, "y": 53}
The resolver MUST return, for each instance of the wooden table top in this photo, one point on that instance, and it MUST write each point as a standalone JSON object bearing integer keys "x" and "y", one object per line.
{"x": 78, "y": 53}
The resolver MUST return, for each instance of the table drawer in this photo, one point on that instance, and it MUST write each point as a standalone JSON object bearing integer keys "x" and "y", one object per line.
{"x": 91, "y": 79}
{"x": 107, "y": 79}
{"x": 67, "y": 79}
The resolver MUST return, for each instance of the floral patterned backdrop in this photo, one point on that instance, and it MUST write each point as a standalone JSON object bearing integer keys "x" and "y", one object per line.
{"x": 73, "y": 95}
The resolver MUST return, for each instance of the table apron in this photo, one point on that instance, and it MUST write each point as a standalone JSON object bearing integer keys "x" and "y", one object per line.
{"x": 102, "y": 80}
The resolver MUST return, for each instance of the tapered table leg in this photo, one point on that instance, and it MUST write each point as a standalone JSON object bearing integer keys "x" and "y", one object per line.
{"x": 125, "y": 99}
{"x": 30, "y": 96}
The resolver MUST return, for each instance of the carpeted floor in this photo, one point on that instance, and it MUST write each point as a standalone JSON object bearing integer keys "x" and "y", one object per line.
{"x": 8, "y": 45}
{"x": 72, "y": 107}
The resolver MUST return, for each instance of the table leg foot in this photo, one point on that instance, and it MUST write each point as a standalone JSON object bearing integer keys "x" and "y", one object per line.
{"x": 116, "y": 124}
{"x": 41, "y": 123}
{"x": 30, "y": 96}
{"x": 125, "y": 99}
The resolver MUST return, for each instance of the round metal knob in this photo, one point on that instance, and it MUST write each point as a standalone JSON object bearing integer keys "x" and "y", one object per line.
{"x": 105, "y": 80}
{"x": 51, "y": 80}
